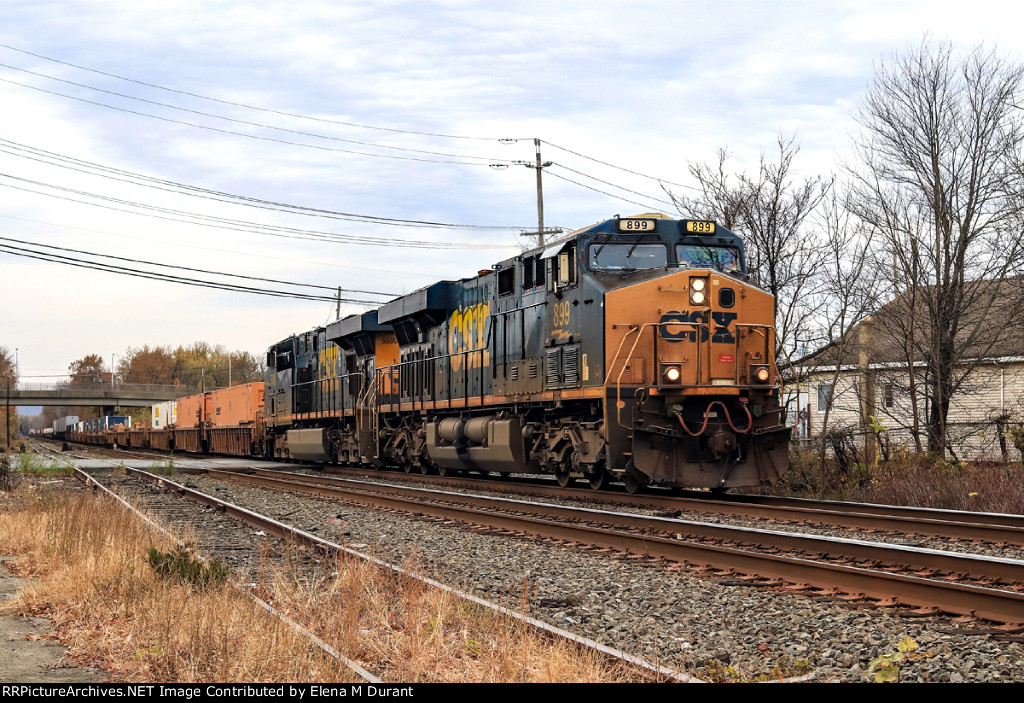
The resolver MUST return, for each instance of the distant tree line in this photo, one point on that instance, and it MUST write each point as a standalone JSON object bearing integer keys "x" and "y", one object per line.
{"x": 191, "y": 368}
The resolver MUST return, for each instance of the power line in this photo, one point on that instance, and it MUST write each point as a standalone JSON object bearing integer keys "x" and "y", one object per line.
{"x": 122, "y": 270}
{"x": 602, "y": 192}
{"x": 169, "y": 106}
{"x": 236, "y": 225}
{"x": 620, "y": 168}
{"x": 613, "y": 185}
{"x": 252, "y": 107}
{"x": 276, "y": 257}
{"x": 241, "y": 134}
{"x": 196, "y": 270}
{"x": 91, "y": 168}
{"x": 319, "y": 119}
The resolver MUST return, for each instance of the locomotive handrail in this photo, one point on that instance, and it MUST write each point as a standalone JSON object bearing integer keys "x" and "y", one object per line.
{"x": 767, "y": 352}
{"x": 640, "y": 332}
{"x": 329, "y": 392}
{"x": 417, "y": 394}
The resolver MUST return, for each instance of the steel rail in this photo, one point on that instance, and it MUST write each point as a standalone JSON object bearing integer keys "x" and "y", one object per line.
{"x": 354, "y": 666}
{"x": 939, "y": 514}
{"x": 999, "y": 605}
{"x": 926, "y": 522}
{"x": 958, "y": 524}
{"x": 271, "y": 526}
{"x": 980, "y": 567}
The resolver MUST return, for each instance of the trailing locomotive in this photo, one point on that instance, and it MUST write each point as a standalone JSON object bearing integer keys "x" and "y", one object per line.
{"x": 635, "y": 349}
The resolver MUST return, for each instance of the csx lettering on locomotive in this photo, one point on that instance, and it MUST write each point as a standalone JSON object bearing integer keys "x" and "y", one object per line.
{"x": 468, "y": 331}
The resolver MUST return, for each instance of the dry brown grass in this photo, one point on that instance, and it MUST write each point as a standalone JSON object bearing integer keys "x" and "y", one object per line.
{"x": 109, "y": 606}
{"x": 909, "y": 480}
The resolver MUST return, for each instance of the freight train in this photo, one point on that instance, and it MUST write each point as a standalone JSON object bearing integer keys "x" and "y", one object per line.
{"x": 637, "y": 350}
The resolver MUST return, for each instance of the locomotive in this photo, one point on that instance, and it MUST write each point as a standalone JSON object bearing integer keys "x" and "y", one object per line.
{"x": 636, "y": 349}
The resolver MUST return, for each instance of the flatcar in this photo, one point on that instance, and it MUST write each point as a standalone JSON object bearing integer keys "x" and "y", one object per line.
{"x": 636, "y": 349}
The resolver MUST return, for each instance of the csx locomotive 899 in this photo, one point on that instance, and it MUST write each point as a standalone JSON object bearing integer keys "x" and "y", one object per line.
{"x": 636, "y": 349}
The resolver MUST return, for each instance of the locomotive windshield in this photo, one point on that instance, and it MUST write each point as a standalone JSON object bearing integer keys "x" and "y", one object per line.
{"x": 709, "y": 257}
{"x": 618, "y": 256}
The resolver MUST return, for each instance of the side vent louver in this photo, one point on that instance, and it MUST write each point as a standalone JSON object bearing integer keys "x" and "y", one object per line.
{"x": 551, "y": 370}
{"x": 571, "y": 364}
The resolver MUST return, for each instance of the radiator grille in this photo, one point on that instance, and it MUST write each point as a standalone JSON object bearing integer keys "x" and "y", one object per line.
{"x": 571, "y": 366}
{"x": 551, "y": 371}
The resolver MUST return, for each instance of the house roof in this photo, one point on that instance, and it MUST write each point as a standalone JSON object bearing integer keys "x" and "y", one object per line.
{"x": 988, "y": 318}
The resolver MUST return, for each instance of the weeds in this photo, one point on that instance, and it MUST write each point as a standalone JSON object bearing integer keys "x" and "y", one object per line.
{"x": 163, "y": 468}
{"x": 32, "y": 464}
{"x": 182, "y": 565}
{"x": 886, "y": 668}
{"x": 717, "y": 672}
{"x": 908, "y": 479}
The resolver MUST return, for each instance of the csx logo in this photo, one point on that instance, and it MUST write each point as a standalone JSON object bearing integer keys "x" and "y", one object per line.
{"x": 688, "y": 324}
{"x": 469, "y": 330}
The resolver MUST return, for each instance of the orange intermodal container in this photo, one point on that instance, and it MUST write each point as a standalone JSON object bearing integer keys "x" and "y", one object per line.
{"x": 191, "y": 410}
{"x": 238, "y": 405}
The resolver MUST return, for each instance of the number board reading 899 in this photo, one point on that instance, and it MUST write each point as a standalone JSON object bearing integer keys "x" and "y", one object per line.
{"x": 637, "y": 225}
{"x": 700, "y": 227}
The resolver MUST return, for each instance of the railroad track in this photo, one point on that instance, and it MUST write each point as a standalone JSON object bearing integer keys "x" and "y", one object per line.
{"x": 985, "y": 587}
{"x": 928, "y": 523}
{"x": 994, "y": 528}
{"x": 165, "y": 501}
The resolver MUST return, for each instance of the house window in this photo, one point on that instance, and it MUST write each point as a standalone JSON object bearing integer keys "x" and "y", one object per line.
{"x": 888, "y": 396}
{"x": 824, "y": 397}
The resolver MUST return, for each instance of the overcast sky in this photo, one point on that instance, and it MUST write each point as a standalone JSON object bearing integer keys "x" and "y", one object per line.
{"x": 400, "y": 111}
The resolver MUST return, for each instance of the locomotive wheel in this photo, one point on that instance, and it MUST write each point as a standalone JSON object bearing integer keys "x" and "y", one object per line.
{"x": 407, "y": 467}
{"x": 424, "y": 468}
{"x": 599, "y": 479}
{"x": 564, "y": 479}
{"x": 633, "y": 482}
{"x": 442, "y": 470}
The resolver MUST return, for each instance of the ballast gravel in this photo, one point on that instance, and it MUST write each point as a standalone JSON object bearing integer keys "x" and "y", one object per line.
{"x": 701, "y": 624}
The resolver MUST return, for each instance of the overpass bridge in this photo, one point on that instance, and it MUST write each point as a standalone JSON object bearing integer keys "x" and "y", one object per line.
{"x": 118, "y": 395}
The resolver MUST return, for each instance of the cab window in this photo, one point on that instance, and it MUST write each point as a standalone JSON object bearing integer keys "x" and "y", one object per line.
{"x": 620, "y": 256}
{"x": 716, "y": 258}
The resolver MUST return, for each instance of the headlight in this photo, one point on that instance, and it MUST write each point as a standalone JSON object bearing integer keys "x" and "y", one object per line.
{"x": 697, "y": 294}
{"x": 672, "y": 374}
{"x": 760, "y": 374}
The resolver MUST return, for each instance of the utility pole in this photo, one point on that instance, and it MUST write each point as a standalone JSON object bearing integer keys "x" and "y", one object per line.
{"x": 539, "y": 165}
{"x": 540, "y": 193}
{"x": 337, "y": 307}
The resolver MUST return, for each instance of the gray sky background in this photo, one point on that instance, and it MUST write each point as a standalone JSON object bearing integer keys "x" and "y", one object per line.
{"x": 388, "y": 109}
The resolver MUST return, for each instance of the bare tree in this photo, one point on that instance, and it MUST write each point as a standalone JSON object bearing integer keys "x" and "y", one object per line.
{"x": 939, "y": 180}
{"x": 8, "y": 379}
{"x": 771, "y": 209}
{"x": 848, "y": 283}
